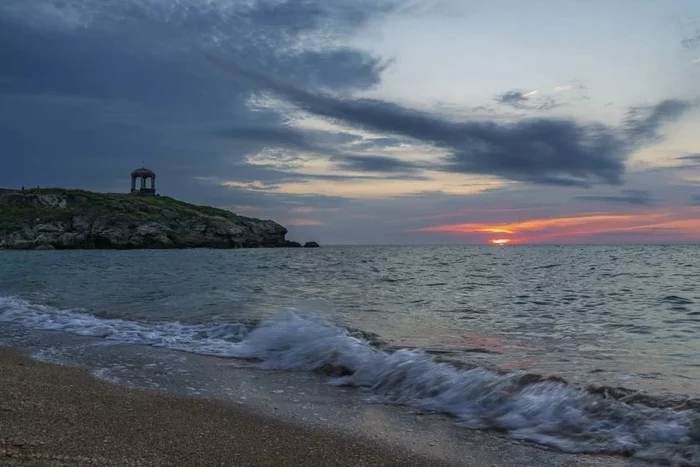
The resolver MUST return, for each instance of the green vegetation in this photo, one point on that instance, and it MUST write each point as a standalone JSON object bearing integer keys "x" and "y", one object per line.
{"x": 27, "y": 207}
{"x": 11, "y": 215}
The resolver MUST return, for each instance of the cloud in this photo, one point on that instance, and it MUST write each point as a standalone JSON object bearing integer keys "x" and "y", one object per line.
{"x": 675, "y": 225}
{"x": 303, "y": 222}
{"x": 564, "y": 88}
{"x": 247, "y": 210}
{"x": 695, "y": 199}
{"x": 642, "y": 124}
{"x": 311, "y": 210}
{"x": 694, "y": 62}
{"x": 359, "y": 163}
{"x": 692, "y": 158}
{"x": 535, "y": 225}
{"x": 209, "y": 93}
{"x": 514, "y": 98}
{"x": 692, "y": 39}
{"x": 634, "y": 197}
{"x": 526, "y": 100}
{"x": 109, "y": 83}
{"x": 544, "y": 150}
{"x": 572, "y": 86}
{"x": 369, "y": 188}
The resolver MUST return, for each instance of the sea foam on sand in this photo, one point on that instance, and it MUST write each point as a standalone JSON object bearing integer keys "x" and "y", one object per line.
{"x": 545, "y": 412}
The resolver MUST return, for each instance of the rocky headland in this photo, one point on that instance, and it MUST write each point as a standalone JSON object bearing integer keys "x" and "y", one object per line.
{"x": 45, "y": 219}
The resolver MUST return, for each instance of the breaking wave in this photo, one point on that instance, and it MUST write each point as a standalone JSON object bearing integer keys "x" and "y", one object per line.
{"x": 545, "y": 411}
{"x": 215, "y": 340}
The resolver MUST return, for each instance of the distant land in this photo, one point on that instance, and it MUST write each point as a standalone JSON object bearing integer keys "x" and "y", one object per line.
{"x": 57, "y": 218}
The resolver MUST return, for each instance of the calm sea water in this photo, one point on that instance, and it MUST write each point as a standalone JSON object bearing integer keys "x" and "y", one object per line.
{"x": 627, "y": 315}
{"x": 610, "y": 315}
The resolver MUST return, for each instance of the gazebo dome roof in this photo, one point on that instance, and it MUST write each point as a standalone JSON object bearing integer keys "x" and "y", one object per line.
{"x": 143, "y": 172}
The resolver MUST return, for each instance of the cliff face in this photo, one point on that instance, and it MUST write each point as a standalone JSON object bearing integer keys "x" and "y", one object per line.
{"x": 74, "y": 219}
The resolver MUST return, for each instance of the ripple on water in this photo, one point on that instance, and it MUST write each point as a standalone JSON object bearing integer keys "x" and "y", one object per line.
{"x": 428, "y": 288}
{"x": 675, "y": 299}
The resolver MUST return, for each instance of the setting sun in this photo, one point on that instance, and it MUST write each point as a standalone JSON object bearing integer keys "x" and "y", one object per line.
{"x": 500, "y": 241}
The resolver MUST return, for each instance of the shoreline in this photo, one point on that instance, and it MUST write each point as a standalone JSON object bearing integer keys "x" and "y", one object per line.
{"x": 52, "y": 414}
{"x": 60, "y": 415}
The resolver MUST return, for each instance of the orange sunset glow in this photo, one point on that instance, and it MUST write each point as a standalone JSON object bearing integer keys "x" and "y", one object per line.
{"x": 663, "y": 224}
{"x": 500, "y": 241}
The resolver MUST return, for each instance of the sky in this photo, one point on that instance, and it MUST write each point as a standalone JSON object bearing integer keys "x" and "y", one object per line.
{"x": 369, "y": 121}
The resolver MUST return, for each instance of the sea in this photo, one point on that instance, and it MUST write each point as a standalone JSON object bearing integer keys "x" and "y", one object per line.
{"x": 592, "y": 349}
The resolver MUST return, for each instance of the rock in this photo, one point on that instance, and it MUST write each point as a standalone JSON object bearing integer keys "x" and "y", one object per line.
{"x": 50, "y": 228}
{"x": 290, "y": 244}
{"x": 18, "y": 443}
{"x": 168, "y": 214}
{"x": 46, "y": 239}
{"x": 74, "y": 219}
{"x": 51, "y": 200}
{"x": 212, "y": 240}
{"x": 152, "y": 229}
{"x": 311, "y": 245}
{"x": 68, "y": 240}
{"x": 187, "y": 239}
{"x": 44, "y": 246}
{"x": 81, "y": 223}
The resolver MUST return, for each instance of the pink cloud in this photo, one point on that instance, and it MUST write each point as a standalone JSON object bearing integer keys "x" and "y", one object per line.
{"x": 653, "y": 225}
{"x": 303, "y": 222}
{"x": 310, "y": 210}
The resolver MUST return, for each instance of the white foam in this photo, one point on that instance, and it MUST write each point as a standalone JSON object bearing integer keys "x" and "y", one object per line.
{"x": 549, "y": 413}
{"x": 206, "y": 340}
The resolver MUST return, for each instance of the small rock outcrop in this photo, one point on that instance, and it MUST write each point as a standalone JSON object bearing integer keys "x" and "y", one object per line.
{"x": 73, "y": 219}
{"x": 311, "y": 245}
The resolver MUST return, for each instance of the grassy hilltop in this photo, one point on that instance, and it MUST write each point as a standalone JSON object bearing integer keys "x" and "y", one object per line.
{"x": 64, "y": 218}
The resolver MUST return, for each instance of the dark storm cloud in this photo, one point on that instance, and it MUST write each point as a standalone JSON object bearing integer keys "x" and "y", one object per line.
{"x": 277, "y": 136}
{"x": 344, "y": 73}
{"x": 521, "y": 100}
{"x": 91, "y": 88}
{"x": 293, "y": 138}
{"x": 358, "y": 163}
{"x": 84, "y": 100}
{"x": 634, "y": 197}
{"x": 545, "y": 150}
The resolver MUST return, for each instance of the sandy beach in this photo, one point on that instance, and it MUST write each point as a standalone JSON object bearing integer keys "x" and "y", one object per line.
{"x": 60, "y": 416}
{"x": 56, "y": 415}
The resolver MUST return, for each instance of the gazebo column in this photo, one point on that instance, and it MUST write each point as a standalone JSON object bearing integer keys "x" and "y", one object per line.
{"x": 147, "y": 183}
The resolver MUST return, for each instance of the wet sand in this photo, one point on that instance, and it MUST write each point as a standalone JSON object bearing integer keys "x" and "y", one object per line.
{"x": 53, "y": 415}
{"x": 61, "y": 416}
